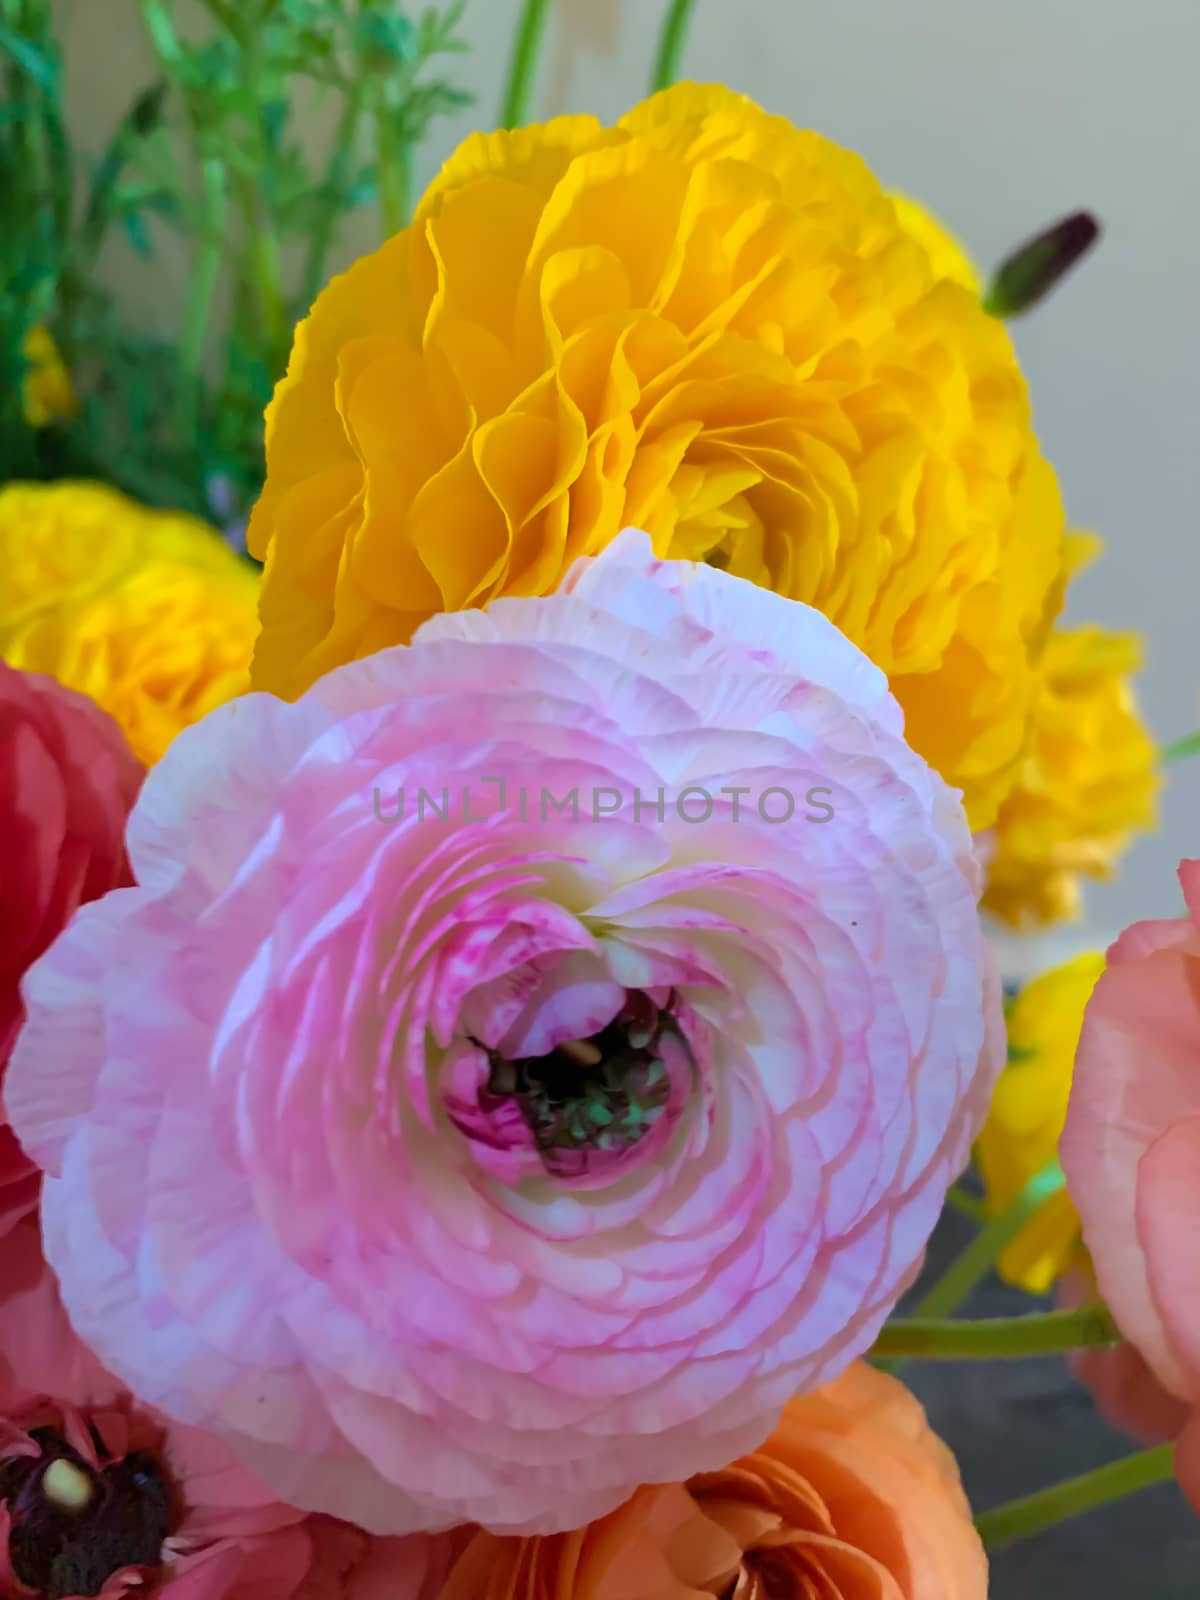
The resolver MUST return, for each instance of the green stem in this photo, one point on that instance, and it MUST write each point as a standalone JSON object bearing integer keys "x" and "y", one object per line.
{"x": 973, "y": 1265}
{"x": 162, "y": 32}
{"x": 977, "y": 1260}
{"x": 394, "y": 172}
{"x": 264, "y": 268}
{"x": 1035, "y": 1512}
{"x": 967, "y": 1205}
{"x": 1043, "y": 1333}
{"x": 671, "y": 42}
{"x": 59, "y": 174}
{"x": 1181, "y": 749}
{"x": 37, "y": 171}
{"x": 135, "y": 126}
{"x": 204, "y": 282}
{"x": 224, "y": 15}
{"x": 523, "y": 67}
{"x": 336, "y": 176}
{"x": 207, "y": 266}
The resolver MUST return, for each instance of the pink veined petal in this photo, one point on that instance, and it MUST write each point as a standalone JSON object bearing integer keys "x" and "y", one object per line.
{"x": 632, "y": 584}
{"x": 319, "y": 1180}
{"x": 63, "y": 1034}
{"x": 223, "y": 768}
{"x": 579, "y": 999}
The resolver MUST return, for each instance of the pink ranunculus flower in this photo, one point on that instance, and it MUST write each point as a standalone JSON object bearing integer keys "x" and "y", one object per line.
{"x": 100, "y": 1495}
{"x": 482, "y": 1169}
{"x": 1131, "y": 1152}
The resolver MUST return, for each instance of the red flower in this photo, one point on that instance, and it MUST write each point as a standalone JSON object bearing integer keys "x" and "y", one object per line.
{"x": 67, "y": 782}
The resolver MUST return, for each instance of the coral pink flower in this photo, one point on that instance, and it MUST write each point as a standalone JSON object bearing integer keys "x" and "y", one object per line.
{"x": 98, "y": 1495}
{"x": 1131, "y": 1151}
{"x": 1121, "y": 1380}
{"x": 67, "y": 781}
{"x": 481, "y": 1169}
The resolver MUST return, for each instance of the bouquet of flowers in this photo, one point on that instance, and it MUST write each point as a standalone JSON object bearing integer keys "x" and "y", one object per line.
{"x": 496, "y": 987}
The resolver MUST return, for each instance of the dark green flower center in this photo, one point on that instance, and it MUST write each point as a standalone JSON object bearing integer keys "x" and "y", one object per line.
{"x": 603, "y": 1093}
{"x": 73, "y": 1527}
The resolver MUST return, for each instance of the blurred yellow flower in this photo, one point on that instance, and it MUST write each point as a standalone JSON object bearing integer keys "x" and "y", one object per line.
{"x": 47, "y": 395}
{"x": 150, "y": 613}
{"x": 1027, "y": 1115}
{"x": 1089, "y": 777}
{"x": 704, "y": 322}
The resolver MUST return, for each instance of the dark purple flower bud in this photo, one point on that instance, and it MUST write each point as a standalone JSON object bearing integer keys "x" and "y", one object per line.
{"x": 1029, "y": 274}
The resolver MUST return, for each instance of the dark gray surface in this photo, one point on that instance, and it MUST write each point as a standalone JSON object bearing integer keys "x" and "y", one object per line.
{"x": 1022, "y": 1425}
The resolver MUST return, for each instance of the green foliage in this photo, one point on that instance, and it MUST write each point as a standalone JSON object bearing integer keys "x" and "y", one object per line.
{"x": 211, "y": 151}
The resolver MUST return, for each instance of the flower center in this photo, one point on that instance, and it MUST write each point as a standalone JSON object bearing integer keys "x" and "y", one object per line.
{"x": 601, "y": 1093}
{"x": 768, "y": 1575}
{"x": 73, "y": 1527}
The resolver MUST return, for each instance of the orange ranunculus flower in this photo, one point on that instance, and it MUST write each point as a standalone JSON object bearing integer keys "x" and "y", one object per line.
{"x": 703, "y": 322}
{"x": 851, "y": 1498}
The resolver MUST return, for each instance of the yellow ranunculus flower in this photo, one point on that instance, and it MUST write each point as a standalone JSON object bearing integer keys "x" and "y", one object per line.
{"x": 148, "y": 612}
{"x": 1089, "y": 777}
{"x": 703, "y": 322}
{"x": 1027, "y": 1115}
{"x": 46, "y": 392}
{"x": 946, "y": 256}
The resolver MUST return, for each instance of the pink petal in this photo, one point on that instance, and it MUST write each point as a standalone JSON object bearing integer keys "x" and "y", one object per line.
{"x": 1168, "y": 1225}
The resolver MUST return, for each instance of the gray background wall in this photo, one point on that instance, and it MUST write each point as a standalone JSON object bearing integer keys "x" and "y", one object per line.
{"x": 1002, "y": 117}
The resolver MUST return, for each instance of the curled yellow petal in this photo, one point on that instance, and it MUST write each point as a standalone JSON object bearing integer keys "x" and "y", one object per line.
{"x": 703, "y": 321}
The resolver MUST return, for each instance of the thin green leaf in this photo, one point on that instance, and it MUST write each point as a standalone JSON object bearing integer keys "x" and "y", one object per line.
{"x": 43, "y": 69}
{"x": 1181, "y": 749}
{"x": 135, "y": 229}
